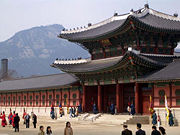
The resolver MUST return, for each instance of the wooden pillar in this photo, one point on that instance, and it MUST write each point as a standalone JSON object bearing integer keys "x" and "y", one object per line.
{"x": 121, "y": 98}
{"x": 46, "y": 98}
{"x": 117, "y": 97}
{"x": 61, "y": 97}
{"x": 69, "y": 97}
{"x": 170, "y": 94}
{"x": 99, "y": 99}
{"x": 40, "y": 98}
{"x": 33, "y": 99}
{"x": 84, "y": 98}
{"x": 54, "y": 98}
{"x": 152, "y": 95}
{"x": 137, "y": 97}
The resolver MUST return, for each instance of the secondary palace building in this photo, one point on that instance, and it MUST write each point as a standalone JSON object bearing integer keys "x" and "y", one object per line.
{"x": 132, "y": 58}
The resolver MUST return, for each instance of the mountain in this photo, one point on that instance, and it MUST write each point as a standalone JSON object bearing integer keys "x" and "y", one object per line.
{"x": 30, "y": 52}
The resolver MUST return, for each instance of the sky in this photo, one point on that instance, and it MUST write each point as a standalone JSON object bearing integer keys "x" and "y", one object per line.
{"x": 17, "y": 15}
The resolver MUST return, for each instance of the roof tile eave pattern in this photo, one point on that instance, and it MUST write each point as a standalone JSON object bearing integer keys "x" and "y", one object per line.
{"x": 41, "y": 82}
{"x": 149, "y": 17}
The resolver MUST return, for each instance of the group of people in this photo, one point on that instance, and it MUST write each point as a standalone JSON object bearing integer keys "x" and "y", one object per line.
{"x": 139, "y": 131}
{"x": 67, "y": 131}
{"x": 73, "y": 112}
{"x": 14, "y": 119}
{"x": 26, "y": 117}
{"x": 131, "y": 109}
{"x": 156, "y": 119}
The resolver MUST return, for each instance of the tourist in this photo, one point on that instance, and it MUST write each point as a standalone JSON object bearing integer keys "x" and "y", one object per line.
{"x": 27, "y": 117}
{"x": 132, "y": 109}
{"x": 48, "y": 131}
{"x": 16, "y": 122}
{"x": 74, "y": 111}
{"x": 67, "y": 110}
{"x": 3, "y": 117}
{"x": 162, "y": 131}
{"x": 154, "y": 118}
{"x": 155, "y": 131}
{"x": 94, "y": 109}
{"x": 52, "y": 112}
{"x": 34, "y": 118}
{"x": 14, "y": 115}
{"x": 129, "y": 110}
{"x": 140, "y": 131}
{"x": 70, "y": 112}
{"x": 77, "y": 113}
{"x": 60, "y": 110}
{"x": 10, "y": 117}
{"x": 68, "y": 130}
{"x": 126, "y": 131}
{"x": 24, "y": 115}
{"x": 79, "y": 108}
{"x": 171, "y": 121}
{"x": 112, "y": 108}
{"x": 41, "y": 130}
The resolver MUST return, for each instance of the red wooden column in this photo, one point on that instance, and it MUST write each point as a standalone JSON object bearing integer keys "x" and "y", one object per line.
{"x": 117, "y": 97}
{"x": 84, "y": 98}
{"x": 99, "y": 98}
{"x": 170, "y": 94}
{"x": 40, "y": 98}
{"x": 137, "y": 97}
{"x": 33, "y": 99}
{"x": 54, "y": 97}
{"x": 121, "y": 97}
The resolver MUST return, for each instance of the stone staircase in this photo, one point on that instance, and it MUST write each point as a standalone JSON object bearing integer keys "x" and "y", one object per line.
{"x": 143, "y": 119}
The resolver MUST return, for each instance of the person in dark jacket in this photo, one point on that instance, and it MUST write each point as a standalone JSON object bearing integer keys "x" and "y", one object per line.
{"x": 171, "y": 121}
{"x": 154, "y": 118}
{"x": 140, "y": 131}
{"x": 27, "y": 118}
{"x": 155, "y": 131}
{"x": 126, "y": 131}
{"x": 34, "y": 120}
{"x": 16, "y": 122}
{"x": 133, "y": 111}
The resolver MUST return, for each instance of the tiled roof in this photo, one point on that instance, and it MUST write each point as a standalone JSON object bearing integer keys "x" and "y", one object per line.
{"x": 102, "y": 64}
{"x": 39, "y": 82}
{"x": 170, "y": 72}
{"x": 147, "y": 16}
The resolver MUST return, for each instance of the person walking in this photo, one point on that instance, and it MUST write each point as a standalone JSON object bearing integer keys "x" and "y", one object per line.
{"x": 133, "y": 111}
{"x": 140, "y": 131}
{"x": 10, "y": 117}
{"x": 70, "y": 112}
{"x": 24, "y": 115}
{"x": 162, "y": 131}
{"x": 14, "y": 115}
{"x": 3, "y": 122}
{"x": 34, "y": 118}
{"x": 68, "y": 130}
{"x": 41, "y": 130}
{"x": 154, "y": 118}
{"x": 171, "y": 121}
{"x": 126, "y": 131}
{"x": 155, "y": 131}
{"x": 16, "y": 122}
{"x": 48, "y": 131}
{"x": 27, "y": 117}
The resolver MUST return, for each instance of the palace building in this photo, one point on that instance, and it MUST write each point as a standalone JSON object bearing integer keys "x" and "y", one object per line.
{"x": 132, "y": 58}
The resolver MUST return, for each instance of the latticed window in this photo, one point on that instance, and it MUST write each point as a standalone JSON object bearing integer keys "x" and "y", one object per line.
{"x": 9, "y": 100}
{"x": 31, "y": 100}
{"x": 177, "y": 93}
{"x": 43, "y": 100}
{"x": 19, "y": 100}
{"x": 37, "y": 97}
{"x": 57, "y": 99}
{"x": 74, "y": 99}
{"x": 14, "y": 100}
{"x": 50, "y": 98}
{"x": 161, "y": 95}
{"x": 24, "y": 100}
{"x": 65, "y": 99}
{"x": 4, "y": 100}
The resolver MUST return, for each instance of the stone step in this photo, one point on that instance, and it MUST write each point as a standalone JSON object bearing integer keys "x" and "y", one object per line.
{"x": 138, "y": 119}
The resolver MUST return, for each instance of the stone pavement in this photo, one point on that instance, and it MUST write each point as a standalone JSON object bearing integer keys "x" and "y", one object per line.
{"x": 79, "y": 128}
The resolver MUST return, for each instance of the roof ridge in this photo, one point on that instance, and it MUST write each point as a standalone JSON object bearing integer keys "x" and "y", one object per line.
{"x": 33, "y": 77}
{"x": 163, "y": 15}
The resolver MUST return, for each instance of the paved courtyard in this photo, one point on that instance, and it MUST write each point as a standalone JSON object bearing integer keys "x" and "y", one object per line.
{"x": 79, "y": 128}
